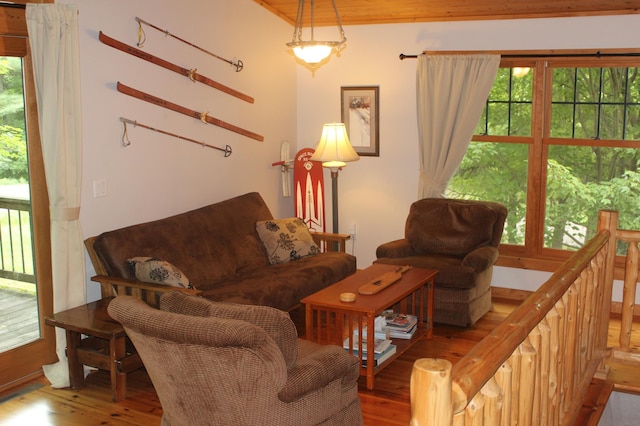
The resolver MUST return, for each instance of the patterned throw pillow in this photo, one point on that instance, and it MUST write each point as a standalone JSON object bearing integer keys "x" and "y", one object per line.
{"x": 286, "y": 239}
{"x": 152, "y": 270}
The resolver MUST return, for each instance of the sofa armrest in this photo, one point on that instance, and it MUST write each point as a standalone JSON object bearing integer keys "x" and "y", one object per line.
{"x": 397, "y": 248}
{"x": 149, "y": 292}
{"x": 481, "y": 258}
{"x": 319, "y": 368}
{"x": 334, "y": 242}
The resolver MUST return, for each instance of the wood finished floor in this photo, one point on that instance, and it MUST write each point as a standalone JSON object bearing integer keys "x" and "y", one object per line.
{"x": 387, "y": 404}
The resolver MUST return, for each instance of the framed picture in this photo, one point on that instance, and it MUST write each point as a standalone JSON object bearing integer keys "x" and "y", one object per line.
{"x": 361, "y": 116}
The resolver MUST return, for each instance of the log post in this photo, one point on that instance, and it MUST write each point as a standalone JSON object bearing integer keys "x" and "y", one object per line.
{"x": 629, "y": 295}
{"x": 493, "y": 398}
{"x": 430, "y": 391}
{"x": 607, "y": 220}
{"x": 503, "y": 379}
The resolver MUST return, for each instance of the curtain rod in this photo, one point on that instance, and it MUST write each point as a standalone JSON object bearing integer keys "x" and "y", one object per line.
{"x": 551, "y": 55}
{"x": 12, "y": 5}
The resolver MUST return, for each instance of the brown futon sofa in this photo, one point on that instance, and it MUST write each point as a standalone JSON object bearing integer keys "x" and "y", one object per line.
{"x": 219, "y": 250}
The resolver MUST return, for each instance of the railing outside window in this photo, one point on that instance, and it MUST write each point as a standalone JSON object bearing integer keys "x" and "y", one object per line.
{"x": 16, "y": 254}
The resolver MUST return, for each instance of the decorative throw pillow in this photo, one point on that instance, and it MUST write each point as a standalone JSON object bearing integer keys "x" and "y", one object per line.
{"x": 152, "y": 270}
{"x": 286, "y": 239}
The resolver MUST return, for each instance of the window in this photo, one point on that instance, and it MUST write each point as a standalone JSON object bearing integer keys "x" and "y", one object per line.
{"x": 557, "y": 142}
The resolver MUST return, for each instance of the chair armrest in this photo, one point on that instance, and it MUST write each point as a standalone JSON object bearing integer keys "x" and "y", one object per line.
{"x": 481, "y": 259}
{"x": 332, "y": 240}
{"x": 317, "y": 370}
{"x": 397, "y": 248}
{"x": 149, "y": 292}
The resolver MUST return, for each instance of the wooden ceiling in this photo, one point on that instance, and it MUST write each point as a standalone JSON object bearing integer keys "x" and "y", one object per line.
{"x": 357, "y": 12}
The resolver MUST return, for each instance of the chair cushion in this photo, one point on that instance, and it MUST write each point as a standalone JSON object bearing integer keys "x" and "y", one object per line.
{"x": 449, "y": 227}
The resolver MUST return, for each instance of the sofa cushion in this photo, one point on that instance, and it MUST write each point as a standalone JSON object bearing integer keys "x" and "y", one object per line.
{"x": 283, "y": 285}
{"x": 449, "y": 228}
{"x": 152, "y": 270}
{"x": 286, "y": 239}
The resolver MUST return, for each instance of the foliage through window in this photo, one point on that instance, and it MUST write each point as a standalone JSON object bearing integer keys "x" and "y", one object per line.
{"x": 557, "y": 142}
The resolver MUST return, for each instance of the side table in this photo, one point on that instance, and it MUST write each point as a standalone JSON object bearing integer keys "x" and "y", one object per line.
{"x": 105, "y": 346}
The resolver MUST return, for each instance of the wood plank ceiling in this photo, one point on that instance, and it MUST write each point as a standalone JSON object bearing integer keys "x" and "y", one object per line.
{"x": 356, "y": 12}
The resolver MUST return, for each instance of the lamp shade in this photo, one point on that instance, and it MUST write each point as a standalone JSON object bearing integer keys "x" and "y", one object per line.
{"x": 334, "y": 148}
{"x": 314, "y": 53}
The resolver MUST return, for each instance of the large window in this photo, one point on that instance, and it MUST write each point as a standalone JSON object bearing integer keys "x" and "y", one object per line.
{"x": 558, "y": 141}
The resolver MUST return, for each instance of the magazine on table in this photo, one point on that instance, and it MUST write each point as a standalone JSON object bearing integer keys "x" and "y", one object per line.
{"x": 399, "y": 326}
{"x": 378, "y": 358}
{"x": 380, "y": 345}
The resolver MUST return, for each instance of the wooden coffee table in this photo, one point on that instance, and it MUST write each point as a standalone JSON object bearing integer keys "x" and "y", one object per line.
{"x": 330, "y": 321}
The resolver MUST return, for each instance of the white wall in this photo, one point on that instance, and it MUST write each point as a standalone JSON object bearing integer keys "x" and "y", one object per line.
{"x": 375, "y": 192}
{"x": 157, "y": 175}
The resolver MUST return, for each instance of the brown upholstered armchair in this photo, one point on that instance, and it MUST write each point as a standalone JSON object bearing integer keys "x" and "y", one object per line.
{"x": 460, "y": 239}
{"x": 217, "y": 363}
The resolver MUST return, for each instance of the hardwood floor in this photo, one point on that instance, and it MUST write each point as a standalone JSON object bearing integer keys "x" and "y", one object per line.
{"x": 387, "y": 404}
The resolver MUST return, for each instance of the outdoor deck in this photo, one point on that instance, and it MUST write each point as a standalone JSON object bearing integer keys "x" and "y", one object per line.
{"x": 18, "y": 324}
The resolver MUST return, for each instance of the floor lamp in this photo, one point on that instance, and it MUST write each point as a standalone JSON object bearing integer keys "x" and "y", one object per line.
{"x": 334, "y": 151}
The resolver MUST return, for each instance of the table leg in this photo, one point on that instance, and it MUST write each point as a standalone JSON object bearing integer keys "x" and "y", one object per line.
{"x": 308, "y": 321}
{"x": 370, "y": 351}
{"x": 117, "y": 351}
{"x": 76, "y": 369}
{"x": 430, "y": 309}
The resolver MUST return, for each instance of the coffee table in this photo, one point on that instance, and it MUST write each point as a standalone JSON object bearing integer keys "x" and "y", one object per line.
{"x": 330, "y": 321}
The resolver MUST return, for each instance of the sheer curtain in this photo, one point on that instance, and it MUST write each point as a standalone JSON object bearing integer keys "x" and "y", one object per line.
{"x": 451, "y": 94}
{"x": 53, "y": 38}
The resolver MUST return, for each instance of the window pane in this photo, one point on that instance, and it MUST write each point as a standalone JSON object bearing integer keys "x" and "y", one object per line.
{"x": 595, "y": 103}
{"x": 496, "y": 172}
{"x": 508, "y": 108}
{"x": 19, "y": 320}
{"x": 583, "y": 180}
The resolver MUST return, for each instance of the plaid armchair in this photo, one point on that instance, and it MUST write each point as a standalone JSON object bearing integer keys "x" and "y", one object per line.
{"x": 227, "y": 364}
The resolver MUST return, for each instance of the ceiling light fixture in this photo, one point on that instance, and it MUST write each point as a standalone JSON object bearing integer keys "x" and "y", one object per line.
{"x": 314, "y": 52}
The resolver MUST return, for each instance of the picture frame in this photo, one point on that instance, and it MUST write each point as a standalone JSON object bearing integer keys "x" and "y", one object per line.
{"x": 360, "y": 111}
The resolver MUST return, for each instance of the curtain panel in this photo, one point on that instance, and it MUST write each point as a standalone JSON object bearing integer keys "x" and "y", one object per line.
{"x": 451, "y": 93}
{"x": 53, "y": 38}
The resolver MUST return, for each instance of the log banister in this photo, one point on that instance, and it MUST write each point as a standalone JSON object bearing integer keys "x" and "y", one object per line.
{"x": 481, "y": 363}
{"x": 536, "y": 366}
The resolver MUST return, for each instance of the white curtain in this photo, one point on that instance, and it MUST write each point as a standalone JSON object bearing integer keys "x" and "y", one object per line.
{"x": 451, "y": 93}
{"x": 53, "y": 38}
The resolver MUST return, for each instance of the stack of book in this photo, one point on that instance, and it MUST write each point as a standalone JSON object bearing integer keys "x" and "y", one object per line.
{"x": 383, "y": 350}
{"x": 400, "y": 326}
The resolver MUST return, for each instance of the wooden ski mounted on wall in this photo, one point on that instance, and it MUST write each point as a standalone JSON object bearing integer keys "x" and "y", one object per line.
{"x": 202, "y": 116}
{"x": 190, "y": 73}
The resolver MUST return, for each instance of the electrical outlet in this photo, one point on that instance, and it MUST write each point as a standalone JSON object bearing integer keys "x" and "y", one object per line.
{"x": 352, "y": 231}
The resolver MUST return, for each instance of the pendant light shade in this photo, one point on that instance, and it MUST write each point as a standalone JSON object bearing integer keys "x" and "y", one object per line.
{"x": 312, "y": 51}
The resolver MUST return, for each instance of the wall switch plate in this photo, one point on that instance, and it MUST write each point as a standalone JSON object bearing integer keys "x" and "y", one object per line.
{"x": 99, "y": 188}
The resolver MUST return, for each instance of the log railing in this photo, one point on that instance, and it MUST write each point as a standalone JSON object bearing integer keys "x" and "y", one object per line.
{"x": 625, "y": 352}
{"x": 535, "y": 367}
